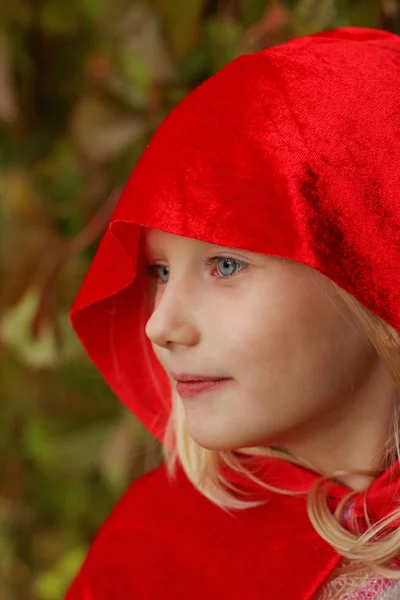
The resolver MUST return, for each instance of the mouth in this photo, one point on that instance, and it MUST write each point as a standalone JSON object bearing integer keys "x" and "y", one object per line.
{"x": 189, "y": 386}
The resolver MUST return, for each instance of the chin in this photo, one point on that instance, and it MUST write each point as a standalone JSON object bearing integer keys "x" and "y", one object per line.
{"x": 222, "y": 439}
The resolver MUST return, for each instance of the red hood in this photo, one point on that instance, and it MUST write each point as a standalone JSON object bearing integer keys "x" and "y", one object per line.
{"x": 292, "y": 152}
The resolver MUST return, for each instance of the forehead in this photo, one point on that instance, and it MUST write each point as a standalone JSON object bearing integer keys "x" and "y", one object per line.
{"x": 156, "y": 239}
{"x": 152, "y": 235}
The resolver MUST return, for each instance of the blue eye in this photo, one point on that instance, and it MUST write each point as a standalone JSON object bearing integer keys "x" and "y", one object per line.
{"x": 158, "y": 272}
{"x": 228, "y": 266}
{"x": 225, "y": 267}
{"x": 163, "y": 273}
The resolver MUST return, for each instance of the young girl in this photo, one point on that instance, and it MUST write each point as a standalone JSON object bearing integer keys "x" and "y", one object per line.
{"x": 244, "y": 303}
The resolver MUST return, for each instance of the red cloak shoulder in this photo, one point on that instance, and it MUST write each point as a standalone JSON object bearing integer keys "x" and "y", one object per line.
{"x": 183, "y": 546}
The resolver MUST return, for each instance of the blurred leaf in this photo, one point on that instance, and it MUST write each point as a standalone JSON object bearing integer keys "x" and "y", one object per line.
{"x": 310, "y": 16}
{"x": 8, "y": 100}
{"x": 193, "y": 65}
{"x": 6, "y": 555}
{"x": 17, "y": 193}
{"x": 252, "y": 11}
{"x": 91, "y": 9}
{"x": 102, "y": 129}
{"x": 60, "y": 499}
{"x": 115, "y": 458}
{"x": 18, "y": 389}
{"x": 61, "y": 176}
{"x": 224, "y": 40}
{"x": 138, "y": 75}
{"x": 272, "y": 28}
{"x": 79, "y": 451}
{"x": 59, "y": 17}
{"x": 140, "y": 35}
{"x": 181, "y": 21}
{"x": 84, "y": 394}
{"x": 37, "y": 441}
{"x": 53, "y": 585}
{"x": 358, "y": 12}
{"x": 40, "y": 352}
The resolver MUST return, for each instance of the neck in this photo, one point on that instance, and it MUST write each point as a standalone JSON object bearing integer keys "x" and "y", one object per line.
{"x": 349, "y": 443}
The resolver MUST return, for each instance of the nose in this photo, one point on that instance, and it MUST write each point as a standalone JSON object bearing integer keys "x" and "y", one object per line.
{"x": 172, "y": 321}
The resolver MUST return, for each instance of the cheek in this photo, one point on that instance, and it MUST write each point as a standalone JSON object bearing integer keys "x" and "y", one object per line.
{"x": 255, "y": 327}
{"x": 255, "y": 343}
{"x": 291, "y": 341}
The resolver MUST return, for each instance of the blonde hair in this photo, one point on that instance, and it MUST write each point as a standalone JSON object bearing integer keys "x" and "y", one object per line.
{"x": 203, "y": 466}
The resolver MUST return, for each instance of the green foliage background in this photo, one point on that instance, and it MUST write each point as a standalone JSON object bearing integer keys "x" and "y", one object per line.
{"x": 83, "y": 85}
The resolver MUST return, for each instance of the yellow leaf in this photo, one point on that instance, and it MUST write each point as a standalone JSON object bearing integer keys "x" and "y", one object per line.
{"x": 41, "y": 352}
{"x": 102, "y": 130}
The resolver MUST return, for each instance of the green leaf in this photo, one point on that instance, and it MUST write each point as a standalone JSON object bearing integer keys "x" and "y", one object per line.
{"x": 78, "y": 452}
{"x": 137, "y": 73}
{"x": 194, "y": 65}
{"x": 146, "y": 50}
{"x": 182, "y": 22}
{"x": 37, "y": 441}
{"x": 251, "y": 11}
{"x": 52, "y": 585}
{"x": 311, "y": 16}
{"x": 359, "y": 12}
{"x": 224, "y": 41}
{"x": 60, "y": 18}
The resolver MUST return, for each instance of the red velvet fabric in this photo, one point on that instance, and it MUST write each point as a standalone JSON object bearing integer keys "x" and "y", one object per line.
{"x": 165, "y": 540}
{"x": 290, "y": 152}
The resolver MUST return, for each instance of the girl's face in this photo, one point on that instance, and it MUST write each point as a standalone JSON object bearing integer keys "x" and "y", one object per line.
{"x": 294, "y": 360}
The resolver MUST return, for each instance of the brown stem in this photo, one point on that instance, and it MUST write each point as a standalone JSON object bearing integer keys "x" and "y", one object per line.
{"x": 61, "y": 252}
{"x": 390, "y": 11}
{"x": 94, "y": 228}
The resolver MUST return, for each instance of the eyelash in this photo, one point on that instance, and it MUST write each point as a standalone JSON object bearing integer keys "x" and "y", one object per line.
{"x": 153, "y": 273}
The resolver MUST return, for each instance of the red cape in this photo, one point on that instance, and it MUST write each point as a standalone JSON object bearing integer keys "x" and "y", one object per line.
{"x": 168, "y": 541}
{"x": 291, "y": 152}
{"x": 165, "y": 540}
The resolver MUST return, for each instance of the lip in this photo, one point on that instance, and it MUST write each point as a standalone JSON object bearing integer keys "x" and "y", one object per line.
{"x": 192, "y": 387}
{"x": 189, "y": 377}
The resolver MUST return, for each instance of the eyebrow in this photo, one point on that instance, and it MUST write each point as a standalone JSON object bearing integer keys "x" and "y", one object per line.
{"x": 228, "y": 249}
{"x": 154, "y": 248}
